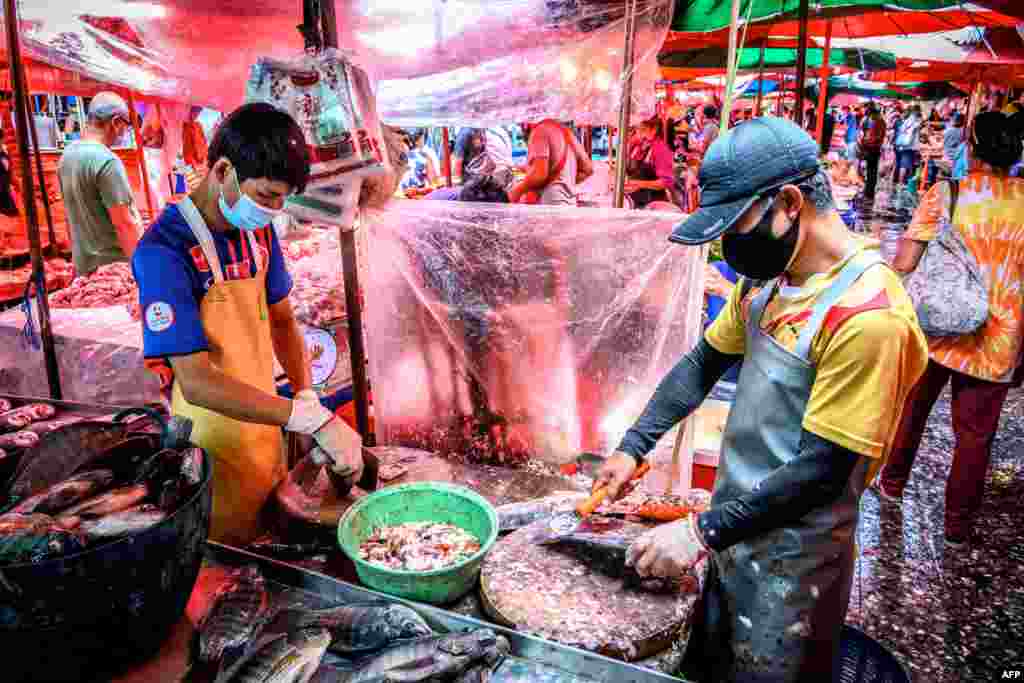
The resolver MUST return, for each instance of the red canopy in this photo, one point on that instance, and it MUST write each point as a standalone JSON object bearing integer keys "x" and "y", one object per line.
{"x": 855, "y": 24}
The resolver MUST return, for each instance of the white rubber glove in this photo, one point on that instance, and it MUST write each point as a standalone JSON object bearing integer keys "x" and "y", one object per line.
{"x": 343, "y": 446}
{"x": 308, "y": 415}
{"x": 668, "y": 551}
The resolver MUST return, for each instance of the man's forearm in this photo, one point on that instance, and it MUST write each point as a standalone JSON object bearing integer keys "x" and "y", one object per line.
{"x": 681, "y": 391}
{"x": 208, "y": 387}
{"x": 290, "y": 349}
{"x": 127, "y": 236}
{"x": 815, "y": 478}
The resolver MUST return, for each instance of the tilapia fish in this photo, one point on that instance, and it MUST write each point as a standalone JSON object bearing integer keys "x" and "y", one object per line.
{"x": 361, "y": 627}
{"x": 427, "y": 659}
{"x": 285, "y": 658}
{"x": 109, "y": 502}
{"x": 518, "y": 515}
{"x": 130, "y": 521}
{"x": 238, "y": 612}
{"x": 35, "y": 538}
{"x": 66, "y": 493}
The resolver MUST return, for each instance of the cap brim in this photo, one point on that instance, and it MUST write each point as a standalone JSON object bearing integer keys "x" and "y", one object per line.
{"x": 710, "y": 221}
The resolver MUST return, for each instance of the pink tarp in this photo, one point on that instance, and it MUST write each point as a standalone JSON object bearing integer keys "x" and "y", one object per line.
{"x": 467, "y": 61}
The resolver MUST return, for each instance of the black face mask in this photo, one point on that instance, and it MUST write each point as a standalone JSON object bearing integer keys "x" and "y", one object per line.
{"x": 759, "y": 254}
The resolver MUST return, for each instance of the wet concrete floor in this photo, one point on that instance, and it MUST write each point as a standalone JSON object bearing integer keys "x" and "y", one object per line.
{"x": 948, "y": 614}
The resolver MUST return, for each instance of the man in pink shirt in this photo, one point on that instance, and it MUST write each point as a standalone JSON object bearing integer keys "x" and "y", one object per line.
{"x": 556, "y": 162}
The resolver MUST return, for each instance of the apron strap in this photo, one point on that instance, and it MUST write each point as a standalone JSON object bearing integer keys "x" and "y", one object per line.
{"x": 202, "y": 234}
{"x": 853, "y": 269}
{"x": 758, "y": 305}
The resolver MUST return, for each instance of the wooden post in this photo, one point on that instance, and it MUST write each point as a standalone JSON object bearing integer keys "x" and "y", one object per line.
{"x": 141, "y": 150}
{"x": 760, "y": 79}
{"x": 823, "y": 87}
{"x": 801, "y": 62}
{"x": 588, "y": 140}
{"x": 730, "y": 74}
{"x": 780, "y": 95}
{"x": 625, "y": 105}
{"x": 31, "y": 218}
{"x": 446, "y": 157}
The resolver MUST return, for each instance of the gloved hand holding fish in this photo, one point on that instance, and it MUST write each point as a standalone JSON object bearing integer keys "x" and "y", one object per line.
{"x": 668, "y": 551}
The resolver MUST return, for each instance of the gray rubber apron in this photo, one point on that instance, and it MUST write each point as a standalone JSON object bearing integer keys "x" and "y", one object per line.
{"x": 773, "y": 606}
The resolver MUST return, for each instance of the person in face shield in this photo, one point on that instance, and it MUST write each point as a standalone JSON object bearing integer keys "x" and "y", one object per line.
{"x": 830, "y": 347}
{"x": 213, "y": 291}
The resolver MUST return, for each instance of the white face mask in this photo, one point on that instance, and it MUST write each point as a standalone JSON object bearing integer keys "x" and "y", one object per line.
{"x": 246, "y": 214}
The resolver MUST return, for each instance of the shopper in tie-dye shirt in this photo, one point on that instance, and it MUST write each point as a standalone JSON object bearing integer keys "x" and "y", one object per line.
{"x": 989, "y": 213}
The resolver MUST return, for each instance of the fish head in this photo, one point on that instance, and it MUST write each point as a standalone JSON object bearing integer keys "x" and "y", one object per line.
{"x": 404, "y": 623}
{"x": 468, "y": 644}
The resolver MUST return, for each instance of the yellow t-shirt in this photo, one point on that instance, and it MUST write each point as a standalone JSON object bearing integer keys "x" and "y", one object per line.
{"x": 869, "y": 352}
{"x": 990, "y": 217}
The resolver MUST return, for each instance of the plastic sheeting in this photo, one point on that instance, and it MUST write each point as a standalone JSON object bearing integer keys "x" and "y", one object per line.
{"x": 451, "y": 61}
{"x": 504, "y": 333}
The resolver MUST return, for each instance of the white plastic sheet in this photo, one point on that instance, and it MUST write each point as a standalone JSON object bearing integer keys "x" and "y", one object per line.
{"x": 472, "y": 62}
{"x": 504, "y": 333}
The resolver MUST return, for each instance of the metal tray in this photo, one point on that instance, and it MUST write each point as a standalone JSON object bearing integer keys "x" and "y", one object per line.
{"x": 85, "y": 410}
{"x": 533, "y": 659}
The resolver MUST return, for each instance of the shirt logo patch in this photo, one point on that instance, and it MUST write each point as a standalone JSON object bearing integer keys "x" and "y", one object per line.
{"x": 239, "y": 271}
{"x": 199, "y": 259}
{"x": 159, "y": 316}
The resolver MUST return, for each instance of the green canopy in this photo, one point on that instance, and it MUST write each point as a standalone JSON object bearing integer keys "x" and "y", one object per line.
{"x": 778, "y": 58}
{"x": 700, "y": 16}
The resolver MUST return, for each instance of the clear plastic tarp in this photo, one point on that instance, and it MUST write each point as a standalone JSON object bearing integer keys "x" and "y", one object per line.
{"x": 506, "y": 333}
{"x": 439, "y": 61}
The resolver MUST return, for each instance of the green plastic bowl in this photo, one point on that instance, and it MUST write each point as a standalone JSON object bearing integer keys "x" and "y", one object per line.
{"x": 420, "y": 502}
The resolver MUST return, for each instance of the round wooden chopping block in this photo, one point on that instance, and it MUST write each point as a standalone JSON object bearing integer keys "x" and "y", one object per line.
{"x": 557, "y": 596}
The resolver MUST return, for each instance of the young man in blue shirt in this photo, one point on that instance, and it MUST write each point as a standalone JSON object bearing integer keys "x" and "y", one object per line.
{"x": 213, "y": 289}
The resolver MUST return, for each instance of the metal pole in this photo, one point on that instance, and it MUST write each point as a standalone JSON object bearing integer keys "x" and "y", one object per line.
{"x": 801, "y": 62}
{"x": 625, "y": 107}
{"x": 52, "y": 250}
{"x": 32, "y": 220}
{"x": 350, "y": 274}
{"x": 354, "y": 313}
{"x": 823, "y": 86}
{"x": 760, "y": 80}
{"x": 446, "y": 157}
{"x": 730, "y": 72}
{"x": 141, "y": 151}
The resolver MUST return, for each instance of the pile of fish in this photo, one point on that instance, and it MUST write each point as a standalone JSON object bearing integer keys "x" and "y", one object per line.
{"x": 14, "y": 425}
{"x": 120, "y": 491}
{"x": 246, "y": 638}
{"x": 418, "y": 546}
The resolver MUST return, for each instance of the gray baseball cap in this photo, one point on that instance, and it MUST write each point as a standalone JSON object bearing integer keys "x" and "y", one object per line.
{"x": 740, "y": 167}
{"x": 106, "y": 105}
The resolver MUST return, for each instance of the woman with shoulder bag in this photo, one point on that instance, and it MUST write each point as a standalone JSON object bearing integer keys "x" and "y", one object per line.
{"x": 984, "y": 214}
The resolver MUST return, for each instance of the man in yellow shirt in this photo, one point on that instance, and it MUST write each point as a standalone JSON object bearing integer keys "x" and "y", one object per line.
{"x": 830, "y": 347}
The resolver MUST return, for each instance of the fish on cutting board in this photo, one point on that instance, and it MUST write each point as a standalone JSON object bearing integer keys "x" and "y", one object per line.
{"x": 360, "y": 627}
{"x": 512, "y": 516}
{"x": 602, "y": 544}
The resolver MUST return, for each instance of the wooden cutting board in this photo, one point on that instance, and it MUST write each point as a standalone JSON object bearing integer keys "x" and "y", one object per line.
{"x": 557, "y": 596}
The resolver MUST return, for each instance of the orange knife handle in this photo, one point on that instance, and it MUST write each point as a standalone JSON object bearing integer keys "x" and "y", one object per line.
{"x": 590, "y": 504}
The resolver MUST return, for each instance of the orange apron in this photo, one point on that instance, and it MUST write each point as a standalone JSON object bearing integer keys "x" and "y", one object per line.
{"x": 249, "y": 458}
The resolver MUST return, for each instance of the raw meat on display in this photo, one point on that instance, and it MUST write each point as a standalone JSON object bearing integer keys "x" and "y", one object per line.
{"x": 109, "y": 285}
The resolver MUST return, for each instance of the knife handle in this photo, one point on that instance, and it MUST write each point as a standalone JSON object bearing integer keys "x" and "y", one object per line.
{"x": 588, "y": 506}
